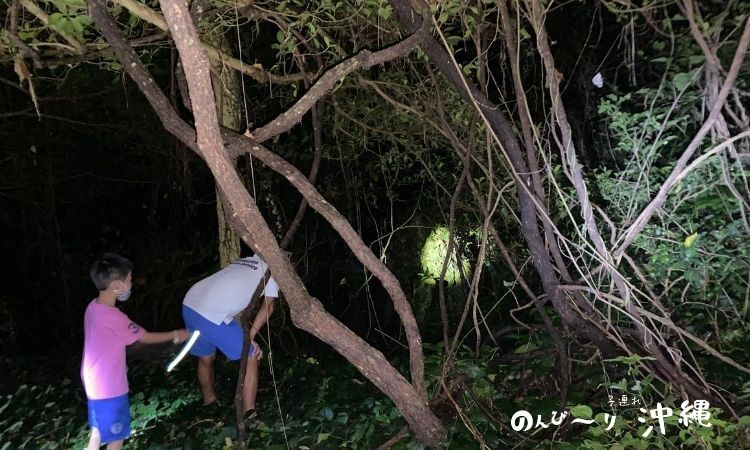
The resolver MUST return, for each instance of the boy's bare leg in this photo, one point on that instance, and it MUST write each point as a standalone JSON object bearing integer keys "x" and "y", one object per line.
{"x": 250, "y": 389}
{"x": 117, "y": 445}
{"x": 95, "y": 440}
{"x": 206, "y": 378}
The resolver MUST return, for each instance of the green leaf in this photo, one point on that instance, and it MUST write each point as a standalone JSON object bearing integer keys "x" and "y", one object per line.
{"x": 682, "y": 80}
{"x": 690, "y": 240}
{"x": 525, "y": 348}
{"x": 322, "y": 437}
{"x": 581, "y": 411}
{"x": 54, "y": 19}
{"x": 77, "y": 26}
{"x": 84, "y": 20}
{"x": 385, "y": 13}
{"x": 61, "y": 6}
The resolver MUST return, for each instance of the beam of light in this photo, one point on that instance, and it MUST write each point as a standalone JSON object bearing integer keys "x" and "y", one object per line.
{"x": 183, "y": 352}
{"x": 434, "y": 254}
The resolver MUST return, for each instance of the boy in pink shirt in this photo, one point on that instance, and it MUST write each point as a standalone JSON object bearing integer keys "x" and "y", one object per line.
{"x": 107, "y": 331}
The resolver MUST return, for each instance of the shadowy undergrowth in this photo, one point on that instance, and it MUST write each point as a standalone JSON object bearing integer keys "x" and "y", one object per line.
{"x": 320, "y": 402}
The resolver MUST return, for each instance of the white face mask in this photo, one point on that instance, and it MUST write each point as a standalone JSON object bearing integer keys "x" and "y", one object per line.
{"x": 124, "y": 295}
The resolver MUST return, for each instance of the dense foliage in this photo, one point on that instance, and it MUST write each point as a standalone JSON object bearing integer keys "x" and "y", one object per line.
{"x": 426, "y": 178}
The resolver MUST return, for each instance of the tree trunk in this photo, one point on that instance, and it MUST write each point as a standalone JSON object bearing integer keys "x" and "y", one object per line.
{"x": 306, "y": 311}
{"x": 228, "y": 96}
{"x": 586, "y": 322}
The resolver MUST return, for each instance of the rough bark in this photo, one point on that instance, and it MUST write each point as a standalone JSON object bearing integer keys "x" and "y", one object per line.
{"x": 228, "y": 95}
{"x": 307, "y": 312}
{"x": 528, "y": 141}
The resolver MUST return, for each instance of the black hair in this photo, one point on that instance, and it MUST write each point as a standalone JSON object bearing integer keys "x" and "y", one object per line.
{"x": 108, "y": 268}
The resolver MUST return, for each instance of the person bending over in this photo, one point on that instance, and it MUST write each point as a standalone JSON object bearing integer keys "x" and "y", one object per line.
{"x": 211, "y": 305}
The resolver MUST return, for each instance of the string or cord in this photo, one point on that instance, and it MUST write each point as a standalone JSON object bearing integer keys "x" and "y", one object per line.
{"x": 255, "y": 197}
{"x": 263, "y": 280}
{"x": 244, "y": 94}
{"x": 242, "y": 74}
{"x": 275, "y": 387}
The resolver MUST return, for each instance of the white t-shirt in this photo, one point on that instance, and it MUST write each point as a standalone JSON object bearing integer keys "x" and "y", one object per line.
{"x": 226, "y": 293}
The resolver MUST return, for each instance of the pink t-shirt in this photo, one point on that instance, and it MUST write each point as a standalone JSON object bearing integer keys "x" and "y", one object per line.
{"x": 107, "y": 331}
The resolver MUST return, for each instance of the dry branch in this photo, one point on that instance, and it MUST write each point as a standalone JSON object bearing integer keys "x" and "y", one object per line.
{"x": 643, "y": 218}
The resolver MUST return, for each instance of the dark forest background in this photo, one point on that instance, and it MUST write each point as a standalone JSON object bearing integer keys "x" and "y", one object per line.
{"x": 87, "y": 166}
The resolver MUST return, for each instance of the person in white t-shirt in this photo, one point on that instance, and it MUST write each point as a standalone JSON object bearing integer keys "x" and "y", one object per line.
{"x": 211, "y": 305}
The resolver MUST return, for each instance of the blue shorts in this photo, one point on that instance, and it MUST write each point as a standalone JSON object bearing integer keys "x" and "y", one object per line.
{"x": 227, "y": 337}
{"x": 111, "y": 416}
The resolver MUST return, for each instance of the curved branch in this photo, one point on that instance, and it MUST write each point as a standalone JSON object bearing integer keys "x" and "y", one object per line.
{"x": 147, "y": 14}
{"x": 643, "y": 218}
{"x": 317, "y": 121}
{"x": 362, "y": 60}
{"x": 307, "y": 313}
{"x": 41, "y": 15}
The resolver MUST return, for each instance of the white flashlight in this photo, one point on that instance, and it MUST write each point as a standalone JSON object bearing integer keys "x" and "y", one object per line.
{"x": 185, "y": 349}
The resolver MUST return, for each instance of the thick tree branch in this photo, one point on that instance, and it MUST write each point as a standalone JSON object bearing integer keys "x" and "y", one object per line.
{"x": 307, "y": 312}
{"x": 246, "y": 213}
{"x": 143, "y": 12}
{"x": 524, "y": 115}
{"x": 238, "y": 144}
{"x": 362, "y": 60}
{"x": 587, "y": 323}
